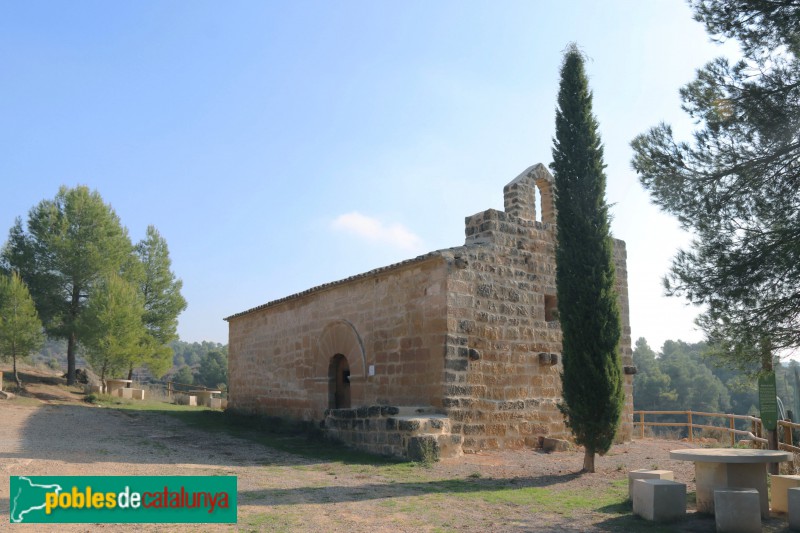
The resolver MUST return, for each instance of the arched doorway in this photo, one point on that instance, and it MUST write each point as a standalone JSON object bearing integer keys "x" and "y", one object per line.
{"x": 339, "y": 382}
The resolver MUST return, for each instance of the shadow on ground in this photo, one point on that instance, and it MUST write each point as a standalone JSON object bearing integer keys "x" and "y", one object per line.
{"x": 84, "y": 433}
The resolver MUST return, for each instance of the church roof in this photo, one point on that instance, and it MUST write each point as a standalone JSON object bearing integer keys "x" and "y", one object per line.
{"x": 319, "y": 288}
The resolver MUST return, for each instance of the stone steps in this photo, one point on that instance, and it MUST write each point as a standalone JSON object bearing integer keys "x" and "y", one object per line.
{"x": 411, "y": 432}
{"x": 419, "y": 425}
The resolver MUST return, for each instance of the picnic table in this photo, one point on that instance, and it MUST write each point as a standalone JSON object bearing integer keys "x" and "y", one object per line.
{"x": 717, "y": 468}
{"x": 204, "y": 396}
{"x": 112, "y": 385}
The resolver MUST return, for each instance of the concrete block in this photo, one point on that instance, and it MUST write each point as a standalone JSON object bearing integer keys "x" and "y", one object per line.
{"x": 96, "y": 389}
{"x": 659, "y": 500}
{"x": 215, "y": 403}
{"x": 137, "y": 394}
{"x": 793, "y": 496}
{"x": 780, "y": 486}
{"x": 737, "y": 510}
{"x": 644, "y": 473}
{"x": 185, "y": 399}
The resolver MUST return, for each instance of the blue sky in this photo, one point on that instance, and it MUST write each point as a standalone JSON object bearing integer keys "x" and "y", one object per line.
{"x": 281, "y": 145}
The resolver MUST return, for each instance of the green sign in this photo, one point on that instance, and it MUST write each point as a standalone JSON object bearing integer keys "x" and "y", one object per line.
{"x": 122, "y": 499}
{"x": 768, "y": 401}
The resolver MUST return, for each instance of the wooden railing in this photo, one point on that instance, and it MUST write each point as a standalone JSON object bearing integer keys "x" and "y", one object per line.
{"x": 786, "y": 439}
{"x": 788, "y": 445}
{"x": 754, "y": 434}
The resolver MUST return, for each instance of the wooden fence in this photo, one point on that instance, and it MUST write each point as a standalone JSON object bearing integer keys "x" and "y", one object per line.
{"x": 755, "y": 433}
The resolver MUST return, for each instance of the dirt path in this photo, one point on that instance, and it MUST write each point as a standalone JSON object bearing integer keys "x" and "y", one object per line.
{"x": 280, "y": 491}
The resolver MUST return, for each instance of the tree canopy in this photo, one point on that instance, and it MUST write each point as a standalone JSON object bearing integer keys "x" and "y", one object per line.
{"x": 111, "y": 326}
{"x": 161, "y": 297}
{"x": 736, "y": 185}
{"x": 585, "y": 279}
{"x": 20, "y": 327}
{"x": 71, "y": 252}
{"x": 70, "y": 244}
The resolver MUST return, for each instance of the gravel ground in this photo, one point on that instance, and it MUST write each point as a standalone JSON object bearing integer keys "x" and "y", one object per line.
{"x": 279, "y": 491}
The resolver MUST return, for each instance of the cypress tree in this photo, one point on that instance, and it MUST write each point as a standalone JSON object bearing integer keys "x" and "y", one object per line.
{"x": 587, "y": 300}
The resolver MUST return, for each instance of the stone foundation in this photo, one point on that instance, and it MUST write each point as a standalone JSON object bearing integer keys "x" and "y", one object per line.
{"x": 414, "y": 433}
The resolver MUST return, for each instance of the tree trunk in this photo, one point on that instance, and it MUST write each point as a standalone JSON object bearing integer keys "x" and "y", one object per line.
{"x": 71, "y": 345}
{"x": 588, "y": 461}
{"x": 16, "y": 376}
{"x": 130, "y": 374}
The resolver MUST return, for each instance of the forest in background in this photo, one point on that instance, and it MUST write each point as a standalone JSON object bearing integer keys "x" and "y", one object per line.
{"x": 193, "y": 363}
{"x": 682, "y": 377}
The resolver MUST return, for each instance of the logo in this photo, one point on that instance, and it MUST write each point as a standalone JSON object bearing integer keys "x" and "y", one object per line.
{"x": 123, "y": 499}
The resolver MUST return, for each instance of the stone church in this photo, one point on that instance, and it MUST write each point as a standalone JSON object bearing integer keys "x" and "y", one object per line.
{"x": 454, "y": 351}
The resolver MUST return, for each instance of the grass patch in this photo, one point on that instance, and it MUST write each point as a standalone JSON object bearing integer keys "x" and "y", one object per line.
{"x": 612, "y": 499}
{"x": 115, "y": 402}
{"x": 270, "y": 522}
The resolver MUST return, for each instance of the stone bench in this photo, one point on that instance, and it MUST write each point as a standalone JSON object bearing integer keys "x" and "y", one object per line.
{"x": 186, "y": 399}
{"x": 793, "y": 497}
{"x": 644, "y": 473}
{"x": 780, "y": 488}
{"x": 659, "y": 500}
{"x": 737, "y": 510}
{"x": 125, "y": 392}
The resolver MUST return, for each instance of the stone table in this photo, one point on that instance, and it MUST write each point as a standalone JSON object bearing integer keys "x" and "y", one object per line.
{"x": 113, "y": 385}
{"x": 717, "y": 468}
{"x": 204, "y": 396}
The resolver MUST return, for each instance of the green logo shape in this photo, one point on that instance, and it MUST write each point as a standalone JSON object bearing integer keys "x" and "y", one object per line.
{"x": 123, "y": 499}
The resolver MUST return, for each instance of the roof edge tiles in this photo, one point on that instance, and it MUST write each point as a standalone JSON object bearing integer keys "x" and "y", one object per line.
{"x": 319, "y": 288}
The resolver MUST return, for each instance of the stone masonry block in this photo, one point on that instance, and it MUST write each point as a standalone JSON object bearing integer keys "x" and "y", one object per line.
{"x": 737, "y": 510}
{"x": 644, "y": 473}
{"x": 554, "y": 445}
{"x": 660, "y": 500}
{"x": 424, "y": 448}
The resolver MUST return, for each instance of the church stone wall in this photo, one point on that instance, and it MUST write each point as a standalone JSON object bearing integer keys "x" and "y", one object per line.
{"x": 392, "y": 319}
{"x": 469, "y": 333}
{"x": 503, "y": 354}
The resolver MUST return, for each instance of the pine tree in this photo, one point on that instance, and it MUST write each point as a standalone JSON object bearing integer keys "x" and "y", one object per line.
{"x": 111, "y": 326}
{"x": 20, "y": 327}
{"x": 734, "y": 185}
{"x": 161, "y": 295}
{"x": 587, "y": 301}
{"x": 70, "y": 244}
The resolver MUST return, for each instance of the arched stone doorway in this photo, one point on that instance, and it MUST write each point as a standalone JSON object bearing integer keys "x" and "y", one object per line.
{"x": 339, "y": 382}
